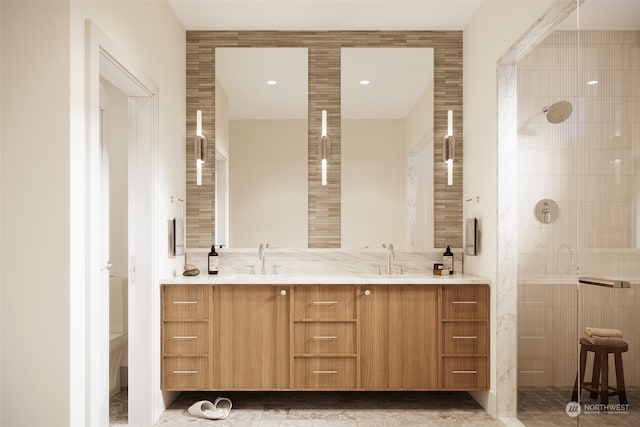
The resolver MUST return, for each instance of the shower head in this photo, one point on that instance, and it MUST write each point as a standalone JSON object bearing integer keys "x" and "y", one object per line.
{"x": 558, "y": 112}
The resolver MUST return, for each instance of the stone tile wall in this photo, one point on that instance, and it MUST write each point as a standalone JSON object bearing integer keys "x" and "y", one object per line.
{"x": 324, "y": 94}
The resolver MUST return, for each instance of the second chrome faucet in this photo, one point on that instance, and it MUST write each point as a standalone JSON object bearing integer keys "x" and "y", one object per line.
{"x": 390, "y": 255}
{"x": 262, "y": 256}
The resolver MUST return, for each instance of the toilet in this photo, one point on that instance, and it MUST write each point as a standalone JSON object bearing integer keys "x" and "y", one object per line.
{"x": 118, "y": 331}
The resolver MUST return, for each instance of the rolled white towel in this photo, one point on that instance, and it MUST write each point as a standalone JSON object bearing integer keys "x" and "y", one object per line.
{"x": 603, "y": 332}
{"x": 614, "y": 341}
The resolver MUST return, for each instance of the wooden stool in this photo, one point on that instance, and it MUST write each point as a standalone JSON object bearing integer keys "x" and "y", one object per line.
{"x": 600, "y": 377}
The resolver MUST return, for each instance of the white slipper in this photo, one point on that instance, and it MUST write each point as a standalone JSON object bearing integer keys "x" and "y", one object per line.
{"x": 206, "y": 409}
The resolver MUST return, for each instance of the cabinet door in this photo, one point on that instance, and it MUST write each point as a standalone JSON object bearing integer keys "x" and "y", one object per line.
{"x": 374, "y": 338}
{"x": 251, "y": 342}
{"x": 413, "y": 337}
{"x": 399, "y": 338}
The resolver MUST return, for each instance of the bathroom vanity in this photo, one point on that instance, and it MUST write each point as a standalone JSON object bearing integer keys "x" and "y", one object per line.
{"x": 296, "y": 334}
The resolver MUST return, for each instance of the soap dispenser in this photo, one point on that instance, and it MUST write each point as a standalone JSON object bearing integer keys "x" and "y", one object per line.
{"x": 447, "y": 260}
{"x": 213, "y": 261}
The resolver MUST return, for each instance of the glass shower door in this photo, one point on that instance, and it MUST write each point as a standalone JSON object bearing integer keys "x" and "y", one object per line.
{"x": 607, "y": 168}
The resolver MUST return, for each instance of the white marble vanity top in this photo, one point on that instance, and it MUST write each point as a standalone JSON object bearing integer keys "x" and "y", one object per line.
{"x": 324, "y": 266}
{"x": 325, "y": 279}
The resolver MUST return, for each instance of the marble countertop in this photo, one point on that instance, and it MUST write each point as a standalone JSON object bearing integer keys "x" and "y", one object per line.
{"x": 325, "y": 279}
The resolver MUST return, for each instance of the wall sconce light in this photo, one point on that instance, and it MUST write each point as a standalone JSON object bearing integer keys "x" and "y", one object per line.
{"x": 449, "y": 148}
{"x": 324, "y": 147}
{"x": 200, "y": 148}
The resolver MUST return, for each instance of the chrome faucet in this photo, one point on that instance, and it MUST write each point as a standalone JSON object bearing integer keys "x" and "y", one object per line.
{"x": 261, "y": 256}
{"x": 390, "y": 255}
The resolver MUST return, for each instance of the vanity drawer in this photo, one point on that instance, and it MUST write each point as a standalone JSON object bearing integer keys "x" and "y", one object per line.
{"x": 464, "y": 373}
{"x": 465, "y": 302}
{"x": 325, "y": 302}
{"x": 326, "y": 373}
{"x": 181, "y": 302}
{"x": 324, "y": 338}
{"x": 185, "y": 338}
{"x": 464, "y": 338}
{"x": 185, "y": 373}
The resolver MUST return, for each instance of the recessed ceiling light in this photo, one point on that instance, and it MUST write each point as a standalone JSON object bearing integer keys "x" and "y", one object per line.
{"x": 364, "y": 82}
{"x": 272, "y": 82}
{"x": 592, "y": 82}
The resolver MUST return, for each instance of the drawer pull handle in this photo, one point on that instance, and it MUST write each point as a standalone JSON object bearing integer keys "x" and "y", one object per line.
{"x": 464, "y": 302}
{"x": 185, "y": 302}
{"x": 463, "y": 337}
{"x": 465, "y": 372}
{"x": 325, "y": 302}
{"x": 185, "y": 372}
{"x": 325, "y": 372}
{"x": 185, "y": 337}
{"x": 328, "y": 337}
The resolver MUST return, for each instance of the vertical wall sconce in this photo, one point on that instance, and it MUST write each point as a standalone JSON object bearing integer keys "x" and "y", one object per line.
{"x": 324, "y": 146}
{"x": 449, "y": 148}
{"x": 200, "y": 148}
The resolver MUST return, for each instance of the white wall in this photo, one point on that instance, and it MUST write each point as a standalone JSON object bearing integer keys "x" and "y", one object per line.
{"x": 222, "y": 118}
{"x": 495, "y": 26}
{"x": 43, "y": 102}
{"x": 419, "y": 121}
{"x": 35, "y": 216}
{"x": 268, "y": 183}
{"x": 418, "y": 141}
{"x": 1, "y": 204}
{"x": 373, "y": 181}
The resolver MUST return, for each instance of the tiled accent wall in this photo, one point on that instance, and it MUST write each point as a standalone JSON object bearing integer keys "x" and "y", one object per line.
{"x": 200, "y": 203}
{"x": 590, "y": 165}
{"x": 324, "y": 94}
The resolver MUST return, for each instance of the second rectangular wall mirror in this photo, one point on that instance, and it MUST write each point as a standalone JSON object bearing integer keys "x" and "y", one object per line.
{"x": 387, "y": 147}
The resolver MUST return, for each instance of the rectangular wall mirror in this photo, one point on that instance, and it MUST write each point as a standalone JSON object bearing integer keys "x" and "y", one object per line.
{"x": 261, "y": 146}
{"x": 387, "y": 147}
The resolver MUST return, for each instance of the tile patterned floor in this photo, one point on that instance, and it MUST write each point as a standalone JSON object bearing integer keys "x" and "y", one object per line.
{"x": 536, "y": 408}
{"x": 119, "y": 408}
{"x": 546, "y": 407}
{"x": 333, "y": 409}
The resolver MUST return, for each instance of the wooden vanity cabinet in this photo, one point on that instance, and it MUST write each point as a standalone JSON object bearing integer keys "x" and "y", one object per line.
{"x": 252, "y": 336}
{"x": 465, "y": 337}
{"x": 399, "y": 337}
{"x": 186, "y": 337}
{"x": 325, "y": 337}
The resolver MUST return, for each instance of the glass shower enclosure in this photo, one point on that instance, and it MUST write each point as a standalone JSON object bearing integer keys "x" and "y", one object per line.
{"x": 578, "y": 225}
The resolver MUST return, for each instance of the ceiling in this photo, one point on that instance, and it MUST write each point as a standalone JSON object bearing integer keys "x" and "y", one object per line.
{"x": 324, "y": 14}
{"x": 395, "y": 78}
{"x": 605, "y": 15}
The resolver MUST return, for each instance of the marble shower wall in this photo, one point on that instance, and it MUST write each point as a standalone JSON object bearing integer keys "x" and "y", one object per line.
{"x": 590, "y": 166}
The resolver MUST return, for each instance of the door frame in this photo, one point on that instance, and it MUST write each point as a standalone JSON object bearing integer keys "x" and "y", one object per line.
{"x": 104, "y": 58}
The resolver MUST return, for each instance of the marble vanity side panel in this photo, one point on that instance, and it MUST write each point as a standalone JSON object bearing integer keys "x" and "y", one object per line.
{"x": 200, "y": 203}
{"x": 506, "y": 291}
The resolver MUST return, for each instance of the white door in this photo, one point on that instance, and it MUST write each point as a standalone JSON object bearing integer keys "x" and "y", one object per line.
{"x": 99, "y": 294}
